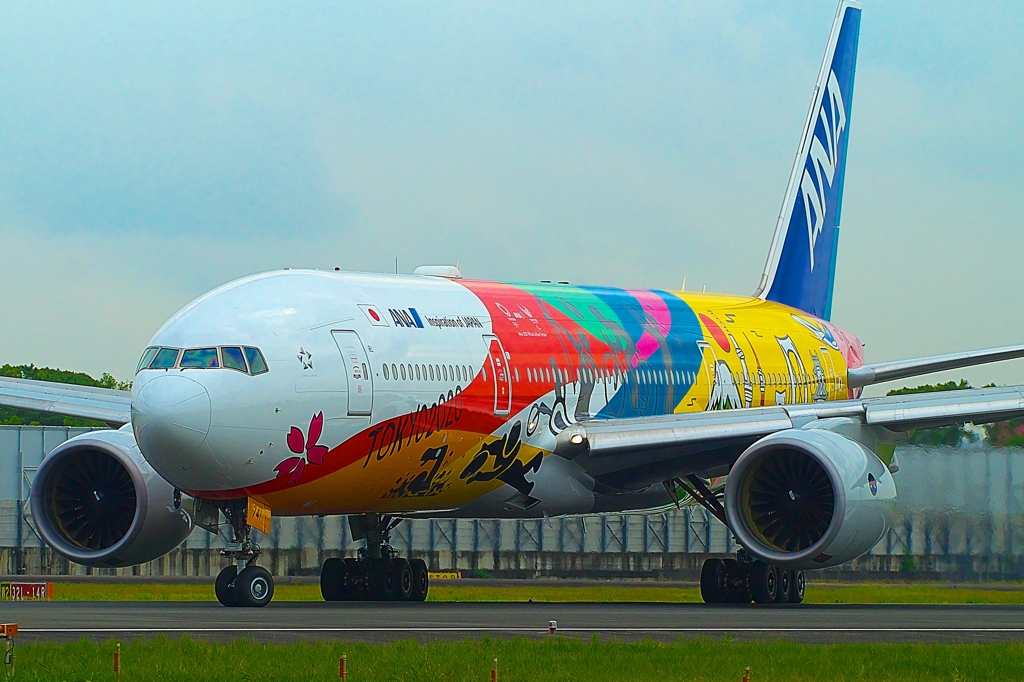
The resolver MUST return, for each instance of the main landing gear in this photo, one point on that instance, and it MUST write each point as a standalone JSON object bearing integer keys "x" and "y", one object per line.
{"x": 744, "y": 579}
{"x": 379, "y": 574}
{"x": 244, "y": 583}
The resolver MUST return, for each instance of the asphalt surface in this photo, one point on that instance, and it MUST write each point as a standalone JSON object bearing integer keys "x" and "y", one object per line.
{"x": 382, "y": 622}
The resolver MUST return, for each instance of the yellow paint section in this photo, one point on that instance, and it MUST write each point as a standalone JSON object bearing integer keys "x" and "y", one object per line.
{"x": 403, "y": 481}
{"x": 758, "y": 353}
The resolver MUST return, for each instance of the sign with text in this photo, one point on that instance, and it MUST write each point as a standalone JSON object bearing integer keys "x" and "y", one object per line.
{"x": 258, "y": 516}
{"x": 26, "y": 591}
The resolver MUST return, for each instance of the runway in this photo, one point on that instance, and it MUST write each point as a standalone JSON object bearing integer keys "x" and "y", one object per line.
{"x": 382, "y": 622}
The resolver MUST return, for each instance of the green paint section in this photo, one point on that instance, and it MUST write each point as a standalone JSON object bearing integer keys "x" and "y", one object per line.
{"x": 578, "y": 305}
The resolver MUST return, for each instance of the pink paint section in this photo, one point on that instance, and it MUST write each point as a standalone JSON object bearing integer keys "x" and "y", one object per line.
{"x": 852, "y": 350}
{"x": 657, "y": 310}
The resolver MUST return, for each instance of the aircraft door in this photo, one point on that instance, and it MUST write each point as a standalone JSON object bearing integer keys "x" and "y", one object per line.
{"x": 500, "y": 373}
{"x": 357, "y": 372}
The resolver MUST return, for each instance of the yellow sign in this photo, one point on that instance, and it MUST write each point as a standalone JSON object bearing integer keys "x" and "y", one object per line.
{"x": 258, "y": 516}
{"x": 445, "y": 575}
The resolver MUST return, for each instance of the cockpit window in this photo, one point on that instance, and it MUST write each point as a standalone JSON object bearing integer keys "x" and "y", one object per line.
{"x": 257, "y": 365}
{"x": 200, "y": 357}
{"x": 147, "y": 358}
{"x": 165, "y": 358}
{"x": 233, "y": 358}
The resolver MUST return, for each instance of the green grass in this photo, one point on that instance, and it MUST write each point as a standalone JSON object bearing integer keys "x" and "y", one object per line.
{"x": 522, "y": 660}
{"x": 817, "y": 593}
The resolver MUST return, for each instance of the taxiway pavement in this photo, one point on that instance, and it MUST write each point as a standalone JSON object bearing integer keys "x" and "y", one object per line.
{"x": 380, "y": 622}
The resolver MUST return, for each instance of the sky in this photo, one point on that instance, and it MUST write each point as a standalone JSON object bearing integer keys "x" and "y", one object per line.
{"x": 152, "y": 151}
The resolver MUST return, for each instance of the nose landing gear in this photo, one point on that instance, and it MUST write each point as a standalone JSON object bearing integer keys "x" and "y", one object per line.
{"x": 243, "y": 583}
{"x": 379, "y": 574}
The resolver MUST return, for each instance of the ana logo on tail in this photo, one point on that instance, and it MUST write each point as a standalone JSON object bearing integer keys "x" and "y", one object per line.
{"x": 822, "y": 159}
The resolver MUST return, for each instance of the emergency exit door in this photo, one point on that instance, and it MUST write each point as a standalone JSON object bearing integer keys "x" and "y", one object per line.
{"x": 500, "y": 375}
{"x": 357, "y": 373}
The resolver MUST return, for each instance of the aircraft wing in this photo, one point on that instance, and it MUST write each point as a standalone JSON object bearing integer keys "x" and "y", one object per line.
{"x": 644, "y": 450}
{"x": 86, "y": 402}
{"x": 902, "y": 369}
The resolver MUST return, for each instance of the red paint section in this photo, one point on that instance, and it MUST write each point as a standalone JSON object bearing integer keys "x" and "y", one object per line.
{"x": 532, "y": 334}
{"x": 716, "y": 332}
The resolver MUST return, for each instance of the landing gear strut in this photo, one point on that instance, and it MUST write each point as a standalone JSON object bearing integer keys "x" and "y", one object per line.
{"x": 745, "y": 579}
{"x": 244, "y": 583}
{"x": 379, "y": 574}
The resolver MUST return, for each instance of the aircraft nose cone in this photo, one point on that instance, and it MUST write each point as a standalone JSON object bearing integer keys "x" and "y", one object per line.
{"x": 171, "y": 417}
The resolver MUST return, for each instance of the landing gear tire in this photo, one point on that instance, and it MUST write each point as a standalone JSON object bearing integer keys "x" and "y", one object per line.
{"x": 224, "y": 587}
{"x": 763, "y": 580}
{"x": 403, "y": 579}
{"x": 737, "y": 591}
{"x": 713, "y": 581}
{"x": 355, "y": 580}
{"x": 254, "y": 586}
{"x": 798, "y": 584}
{"x": 332, "y": 580}
{"x": 420, "y": 580}
{"x": 382, "y": 579}
{"x": 785, "y": 586}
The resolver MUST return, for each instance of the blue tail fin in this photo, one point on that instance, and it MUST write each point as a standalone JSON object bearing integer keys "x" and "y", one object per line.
{"x": 802, "y": 261}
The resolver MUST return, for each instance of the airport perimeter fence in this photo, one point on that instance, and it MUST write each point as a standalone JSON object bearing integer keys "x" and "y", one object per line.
{"x": 960, "y": 517}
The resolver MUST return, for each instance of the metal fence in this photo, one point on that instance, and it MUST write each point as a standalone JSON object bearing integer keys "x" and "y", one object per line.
{"x": 959, "y": 516}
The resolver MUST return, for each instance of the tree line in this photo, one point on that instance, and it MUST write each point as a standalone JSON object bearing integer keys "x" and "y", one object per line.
{"x": 15, "y": 417}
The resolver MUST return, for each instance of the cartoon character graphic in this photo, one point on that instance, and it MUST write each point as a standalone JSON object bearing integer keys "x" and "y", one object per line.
{"x": 821, "y": 386}
{"x": 724, "y": 394}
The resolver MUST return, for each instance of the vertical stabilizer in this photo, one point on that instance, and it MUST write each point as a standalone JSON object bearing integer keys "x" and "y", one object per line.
{"x": 801, "y": 263}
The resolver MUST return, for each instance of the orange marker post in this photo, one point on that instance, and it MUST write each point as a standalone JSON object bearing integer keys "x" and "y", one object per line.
{"x": 117, "y": 661}
{"x": 746, "y": 675}
{"x": 494, "y": 671}
{"x": 343, "y": 667}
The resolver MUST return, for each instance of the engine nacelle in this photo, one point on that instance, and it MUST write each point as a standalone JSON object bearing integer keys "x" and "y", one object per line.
{"x": 96, "y": 501}
{"x": 809, "y": 498}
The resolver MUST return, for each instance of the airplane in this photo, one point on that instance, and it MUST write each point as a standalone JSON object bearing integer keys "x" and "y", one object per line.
{"x": 384, "y": 397}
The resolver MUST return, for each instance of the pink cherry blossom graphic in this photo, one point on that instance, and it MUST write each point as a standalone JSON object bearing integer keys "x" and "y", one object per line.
{"x": 307, "y": 448}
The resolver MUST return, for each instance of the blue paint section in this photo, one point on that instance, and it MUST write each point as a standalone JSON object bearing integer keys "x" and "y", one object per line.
{"x": 675, "y": 351}
{"x": 806, "y": 266}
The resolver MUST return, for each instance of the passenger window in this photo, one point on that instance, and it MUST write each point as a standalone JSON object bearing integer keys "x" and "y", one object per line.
{"x": 417, "y": 372}
{"x": 385, "y": 372}
{"x": 257, "y": 365}
{"x": 233, "y": 358}
{"x": 516, "y": 372}
{"x": 147, "y": 358}
{"x": 403, "y": 372}
{"x": 394, "y": 371}
{"x": 202, "y": 358}
{"x": 165, "y": 358}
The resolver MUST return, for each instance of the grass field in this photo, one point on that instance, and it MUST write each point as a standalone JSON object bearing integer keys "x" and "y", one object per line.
{"x": 522, "y": 660}
{"x": 818, "y": 593}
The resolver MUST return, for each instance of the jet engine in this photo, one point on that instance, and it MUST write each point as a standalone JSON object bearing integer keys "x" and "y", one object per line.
{"x": 809, "y": 498}
{"x": 96, "y": 501}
